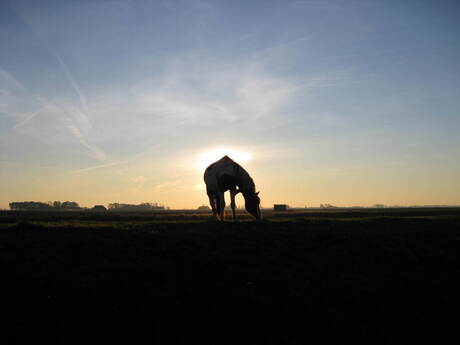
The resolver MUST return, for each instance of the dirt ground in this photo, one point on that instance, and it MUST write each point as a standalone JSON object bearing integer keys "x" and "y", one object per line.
{"x": 380, "y": 277}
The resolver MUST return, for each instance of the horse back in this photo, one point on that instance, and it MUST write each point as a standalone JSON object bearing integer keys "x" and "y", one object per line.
{"x": 223, "y": 175}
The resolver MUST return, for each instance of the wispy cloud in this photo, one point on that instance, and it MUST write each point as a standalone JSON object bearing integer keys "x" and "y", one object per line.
{"x": 168, "y": 186}
{"x": 329, "y": 5}
{"x": 193, "y": 90}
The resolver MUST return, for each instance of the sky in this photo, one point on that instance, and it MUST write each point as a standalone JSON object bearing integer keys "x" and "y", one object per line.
{"x": 344, "y": 102}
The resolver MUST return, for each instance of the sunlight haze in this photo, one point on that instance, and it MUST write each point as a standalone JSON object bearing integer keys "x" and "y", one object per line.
{"x": 206, "y": 158}
{"x": 336, "y": 101}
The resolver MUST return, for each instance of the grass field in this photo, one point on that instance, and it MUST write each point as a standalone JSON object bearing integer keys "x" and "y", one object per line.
{"x": 374, "y": 276}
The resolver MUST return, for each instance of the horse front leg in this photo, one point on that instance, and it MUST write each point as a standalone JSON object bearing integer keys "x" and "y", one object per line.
{"x": 233, "y": 193}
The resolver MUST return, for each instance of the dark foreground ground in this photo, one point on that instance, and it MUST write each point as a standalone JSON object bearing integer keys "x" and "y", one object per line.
{"x": 377, "y": 277}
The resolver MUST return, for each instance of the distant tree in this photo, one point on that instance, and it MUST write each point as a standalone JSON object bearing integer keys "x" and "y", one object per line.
{"x": 327, "y": 206}
{"x": 57, "y": 204}
{"x": 29, "y": 205}
{"x": 99, "y": 208}
{"x": 113, "y": 206}
{"x": 70, "y": 205}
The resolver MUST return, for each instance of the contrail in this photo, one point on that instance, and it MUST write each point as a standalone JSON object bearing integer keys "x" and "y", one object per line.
{"x": 81, "y": 138}
{"x": 98, "y": 167}
{"x": 10, "y": 79}
{"x": 81, "y": 115}
{"x": 27, "y": 119}
{"x": 74, "y": 84}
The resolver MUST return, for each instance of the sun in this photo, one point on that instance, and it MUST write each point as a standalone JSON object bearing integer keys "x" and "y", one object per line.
{"x": 204, "y": 159}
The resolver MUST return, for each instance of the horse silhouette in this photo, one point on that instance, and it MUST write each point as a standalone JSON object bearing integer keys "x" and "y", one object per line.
{"x": 227, "y": 175}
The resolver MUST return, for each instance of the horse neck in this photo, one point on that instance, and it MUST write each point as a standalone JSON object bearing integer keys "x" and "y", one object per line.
{"x": 246, "y": 183}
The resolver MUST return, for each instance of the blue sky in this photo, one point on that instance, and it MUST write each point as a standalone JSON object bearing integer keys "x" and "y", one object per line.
{"x": 346, "y": 102}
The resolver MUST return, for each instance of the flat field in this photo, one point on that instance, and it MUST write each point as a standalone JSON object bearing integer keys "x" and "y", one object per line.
{"x": 380, "y": 276}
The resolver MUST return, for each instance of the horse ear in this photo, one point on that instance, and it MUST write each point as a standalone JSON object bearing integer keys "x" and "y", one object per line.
{"x": 257, "y": 193}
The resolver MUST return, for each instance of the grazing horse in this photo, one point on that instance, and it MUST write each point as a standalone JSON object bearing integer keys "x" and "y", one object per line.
{"x": 224, "y": 175}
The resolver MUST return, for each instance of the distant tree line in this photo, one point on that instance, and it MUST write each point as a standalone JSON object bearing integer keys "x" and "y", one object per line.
{"x": 42, "y": 206}
{"x": 72, "y": 205}
{"x": 145, "y": 206}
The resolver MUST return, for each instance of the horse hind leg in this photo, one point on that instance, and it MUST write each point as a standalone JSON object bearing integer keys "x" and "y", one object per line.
{"x": 212, "y": 202}
{"x": 220, "y": 206}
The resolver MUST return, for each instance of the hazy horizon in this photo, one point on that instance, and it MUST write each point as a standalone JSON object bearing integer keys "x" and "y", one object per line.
{"x": 340, "y": 102}
{"x": 239, "y": 207}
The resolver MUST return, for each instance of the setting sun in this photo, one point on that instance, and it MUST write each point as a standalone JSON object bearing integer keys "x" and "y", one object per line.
{"x": 204, "y": 159}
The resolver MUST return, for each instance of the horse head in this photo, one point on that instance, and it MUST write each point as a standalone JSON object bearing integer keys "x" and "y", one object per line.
{"x": 252, "y": 203}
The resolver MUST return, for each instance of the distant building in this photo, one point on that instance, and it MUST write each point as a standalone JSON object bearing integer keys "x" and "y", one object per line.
{"x": 99, "y": 208}
{"x": 280, "y": 207}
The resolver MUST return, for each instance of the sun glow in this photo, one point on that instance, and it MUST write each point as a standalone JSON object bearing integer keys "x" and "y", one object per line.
{"x": 204, "y": 159}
